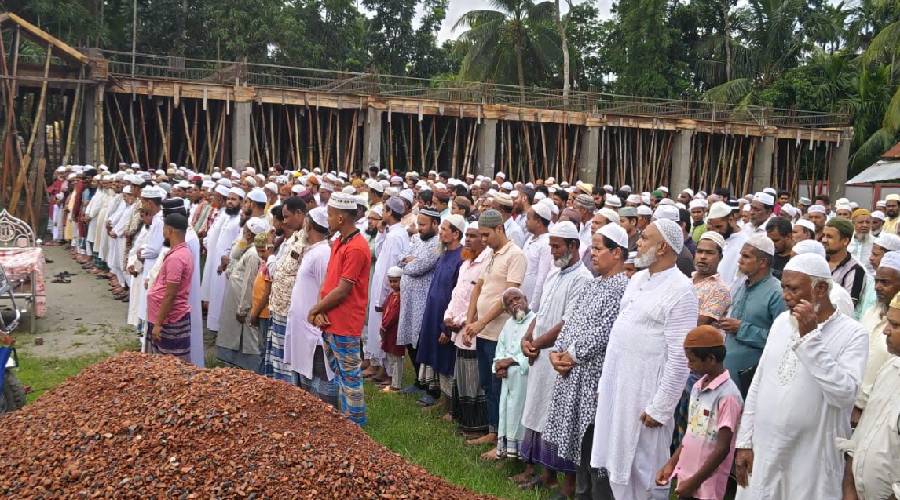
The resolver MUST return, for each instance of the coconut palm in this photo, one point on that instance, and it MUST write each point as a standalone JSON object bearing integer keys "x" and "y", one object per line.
{"x": 502, "y": 42}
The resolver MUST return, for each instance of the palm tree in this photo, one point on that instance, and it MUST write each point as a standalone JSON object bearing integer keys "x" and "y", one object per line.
{"x": 500, "y": 42}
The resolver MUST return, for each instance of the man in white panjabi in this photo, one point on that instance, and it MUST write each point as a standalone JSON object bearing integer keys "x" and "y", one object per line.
{"x": 228, "y": 232}
{"x": 802, "y": 394}
{"x": 645, "y": 369}
{"x": 210, "y": 243}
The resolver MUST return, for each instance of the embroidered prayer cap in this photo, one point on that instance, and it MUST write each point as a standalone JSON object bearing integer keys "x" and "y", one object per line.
{"x": 704, "y": 336}
{"x": 394, "y": 272}
{"x": 271, "y": 186}
{"x": 609, "y": 214}
{"x": 319, "y": 215}
{"x": 666, "y": 212}
{"x": 616, "y": 233}
{"x": 208, "y": 184}
{"x": 430, "y": 212}
{"x": 349, "y": 190}
{"x": 565, "y": 230}
{"x": 584, "y": 187}
{"x": 891, "y": 260}
{"x": 844, "y": 227}
{"x": 375, "y": 185}
{"x": 297, "y": 188}
{"x": 644, "y": 210}
{"x": 585, "y": 201}
{"x": 490, "y": 219}
{"x": 457, "y": 221}
{"x": 878, "y": 214}
{"x": 543, "y": 211}
{"x": 613, "y": 201}
{"x": 789, "y": 210}
{"x": 880, "y": 204}
{"x": 153, "y": 192}
{"x": 627, "y": 212}
{"x": 816, "y": 209}
{"x": 809, "y": 246}
{"x": 671, "y": 233}
{"x": 714, "y": 237}
{"x": 503, "y": 199}
{"x": 507, "y": 186}
{"x": 257, "y": 225}
{"x": 765, "y": 198}
{"x": 396, "y": 205}
{"x": 126, "y": 190}
{"x": 888, "y": 241}
{"x": 689, "y": 191}
{"x": 719, "y": 210}
{"x": 810, "y": 264}
{"x": 762, "y": 243}
{"x": 342, "y": 201}
{"x": 664, "y": 189}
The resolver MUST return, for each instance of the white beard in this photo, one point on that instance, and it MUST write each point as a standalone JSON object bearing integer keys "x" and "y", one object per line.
{"x": 519, "y": 315}
{"x": 563, "y": 261}
{"x": 644, "y": 260}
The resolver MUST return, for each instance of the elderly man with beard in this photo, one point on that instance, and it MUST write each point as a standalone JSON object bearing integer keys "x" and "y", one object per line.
{"x": 722, "y": 220}
{"x": 892, "y": 213}
{"x": 577, "y": 356}
{"x": 802, "y": 393}
{"x": 563, "y": 286}
{"x": 874, "y": 320}
{"x": 537, "y": 254}
{"x": 221, "y": 235}
{"x": 861, "y": 245}
{"x": 418, "y": 270}
{"x": 645, "y": 368}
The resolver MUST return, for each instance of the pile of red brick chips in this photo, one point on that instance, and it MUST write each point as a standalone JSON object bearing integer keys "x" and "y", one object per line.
{"x": 152, "y": 426}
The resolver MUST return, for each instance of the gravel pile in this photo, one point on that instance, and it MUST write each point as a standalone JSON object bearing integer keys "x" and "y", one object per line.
{"x": 139, "y": 425}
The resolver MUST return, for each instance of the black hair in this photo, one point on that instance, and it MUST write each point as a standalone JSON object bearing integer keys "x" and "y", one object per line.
{"x": 784, "y": 193}
{"x": 612, "y": 245}
{"x": 176, "y": 221}
{"x": 809, "y": 232}
{"x": 316, "y": 227}
{"x": 258, "y": 204}
{"x": 543, "y": 189}
{"x": 780, "y": 225}
{"x": 529, "y": 193}
{"x": 823, "y": 198}
{"x": 684, "y": 217}
{"x": 444, "y": 174}
{"x": 426, "y": 196}
{"x": 155, "y": 201}
{"x": 704, "y": 353}
{"x": 563, "y": 195}
{"x": 294, "y": 203}
{"x": 276, "y": 213}
{"x": 725, "y": 193}
{"x": 461, "y": 190}
{"x": 541, "y": 220}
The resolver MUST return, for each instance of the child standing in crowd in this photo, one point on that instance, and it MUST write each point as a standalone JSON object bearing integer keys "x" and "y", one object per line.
{"x": 262, "y": 285}
{"x": 704, "y": 459}
{"x": 390, "y": 318}
{"x": 511, "y": 365}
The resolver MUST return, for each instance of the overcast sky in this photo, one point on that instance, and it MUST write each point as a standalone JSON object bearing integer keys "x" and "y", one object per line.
{"x": 459, "y": 7}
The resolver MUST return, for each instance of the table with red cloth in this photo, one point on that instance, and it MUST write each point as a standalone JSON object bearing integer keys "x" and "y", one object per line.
{"x": 27, "y": 264}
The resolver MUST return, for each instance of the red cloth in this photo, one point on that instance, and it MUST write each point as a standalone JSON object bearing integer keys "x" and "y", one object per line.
{"x": 350, "y": 260}
{"x": 390, "y": 319}
{"x": 177, "y": 267}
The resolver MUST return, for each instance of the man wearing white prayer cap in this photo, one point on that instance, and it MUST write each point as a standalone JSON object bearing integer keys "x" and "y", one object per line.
{"x": 761, "y": 208}
{"x": 838, "y": 295}
{"x": 224, "y": 231}
{"x": 803, "y": 390}
{"x": 713, "y": 296}
{"x": 803, "y": 229}
{"x": 721, "y": 219}
{"x": 891, "y": 212}
{"x": 876, "y": 220}
{"x": 538, "y": 260}
{"x": 645, "y": 368}
{"x": 697, "y": 208}
{"x": 818, "y": 216}
{"x": 757, "y": 302}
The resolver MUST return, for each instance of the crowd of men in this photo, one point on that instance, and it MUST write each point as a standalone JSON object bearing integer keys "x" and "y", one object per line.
{"x": 621, "y": 344}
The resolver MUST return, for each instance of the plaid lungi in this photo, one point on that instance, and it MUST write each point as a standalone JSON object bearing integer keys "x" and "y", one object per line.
{"x": 319, "y": 385}
{"x": 343, "y": 355}
{"x": 273, "y": 362}
{"x": 174, "y": 339}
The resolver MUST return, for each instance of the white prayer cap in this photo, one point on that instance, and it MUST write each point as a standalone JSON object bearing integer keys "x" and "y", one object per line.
{"x": 689, "y": 191}
{"x": 184, "y": 185}
{"x": 854, "y": 205}
{"x": 501, "y": 175}
{"x": 616, "y": 233}
{"x": 625, "y": 188}
{"x": 667, "y": 201}
{"x": 645, "y": 198}
{"x": 770, "y": 190}
{"x": 789, "y": 210}
{"x": 222, "y": 190}
{"x": 237, "y": 192}
{"x": 808, "y": 224}
{"x": 809, "y": 246}
{"x": 843, "y": 206}
{"x": 362, "y": 200}
{"x": 878, "y": 214}
{"x": 697, "y": 204}
{"x": 644, "y": 210}
{"x": 126, "y": 189}
{"x": 374, "y": 185}
{"x": 342, "y": 201}
{"x": 891, "y": 260}
{"x": 376, "y": 211}
{"x": 281, "y": 179}
{"x": 762, "y": 243}
{"x": 60, "y": 169}
{"x": 224, "y": 182}
{"x": 506, "y": 185}
{"x": 613, "y": 201}
{"x": 539, "y": 196}
{"x": 633, "y": 198}
{"x": 719, "y": 210}
{"x": 810, "y": 264}
{"x": 257, "y": 225}
{"x": 666, "y": 212}
{"x": 765, "y": 198}
{"x": 208, "y": 184}
{"x": 71, "y": 176}
{"x": 319, "y": 215}
{"x": 888, "y": 241}
{"x": 297, "y": 188}
{"x": 394, "y": 272}
{"x": 680, "y": 206}
{"x": 816, "y": 209}
{"x": 135, "y": 166}
{"x": 664, "y": 189}
{"x": 349, "y": 190}
{"x": 153, "y": 192}
{"x": 271, "y": 186}
{"x": 746, "y": 208}
{"x": 565, "y": 230}
{"x": 543, "y": 211}
{"x": 609, "y": 214}
{"x": 671, "y": 233}
{"x": 805, "y": 201}
{"x": 250, "y": 171}
{"x": 714, "y": 237}
{"x": 457, "y": 221}
{"x": 407, "y": 195}
{"x": 159, "y": 172}
{"x": 880, "y": 204}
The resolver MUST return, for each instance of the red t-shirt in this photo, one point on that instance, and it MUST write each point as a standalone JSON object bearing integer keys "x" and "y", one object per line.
{"x": 350, "y": 260}
{"x": 177, "y": 267}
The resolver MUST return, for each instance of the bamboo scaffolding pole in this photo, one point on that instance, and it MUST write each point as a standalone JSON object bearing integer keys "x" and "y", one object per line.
{"x": 163, "y": 134}
{"x": 145, "y": 146}
{"x": 328, "y": 141}
{"x": 129, "y": 140}
{"x": 192, "y": 157}
{"x": 274, "y": 158}
{"x": 299, "y": 151}
{"x": 10, "y": 150}
{"x": 73, "y": 123}
{"x": 115, "y": 137}
{"x": 26, "y": 160}
{"x": 453, "y": 158}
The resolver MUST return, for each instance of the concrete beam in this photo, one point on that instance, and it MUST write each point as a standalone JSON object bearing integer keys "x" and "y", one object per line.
{"x": 372, "y": 139}
{"x": 762, "y": 164}
{"x": 837, "y": 169}
{"x": 240, "y": 135}
{"x": 485, "y": 155}
{"x": 681, "y": 161}
{"x": 589, "y": 155}
{"x": 87, "y": 148}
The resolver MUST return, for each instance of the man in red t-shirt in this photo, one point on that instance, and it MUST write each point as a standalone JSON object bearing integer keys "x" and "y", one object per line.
{"x": 341, "y": 310}
{"x": 168, "y": 300}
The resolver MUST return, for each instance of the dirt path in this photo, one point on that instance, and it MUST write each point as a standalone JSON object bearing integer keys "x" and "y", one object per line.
{"x": 82, "y": 317}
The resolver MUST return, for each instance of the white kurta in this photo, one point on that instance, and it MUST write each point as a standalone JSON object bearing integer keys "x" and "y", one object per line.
{"x": 562, "y": 287}
{"x": 645, "y": 371}
{"x": 211, "y": 242}
{"x": 137, "y": 286}
{"x": 396, "y": 242}
{"x": 861, "y": 250}
{"x": 538, "y": 261}
{"x": 197, "y": 350}
{"x": 230, "y": 231}
{"x": 728, "y": 266}
{"x": 150, "y": 252}
{"x": 799, "y": 402}
{"x": 92, "y": 210}
{"x": 300, "y": 337}
{"x": 874, "y": 323}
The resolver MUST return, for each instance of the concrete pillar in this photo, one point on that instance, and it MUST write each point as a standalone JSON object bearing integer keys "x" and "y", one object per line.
{"x": 762, "y": 164}
{"x": 838, "y": 166}
{"x": 486, "y": 154}
{"x": 88, "y": 131}
{"x": 681, "y": 162}
{"x": 240, "y": 135}
{"x": 372, "y": 139}
{"x": 589, "y": 154}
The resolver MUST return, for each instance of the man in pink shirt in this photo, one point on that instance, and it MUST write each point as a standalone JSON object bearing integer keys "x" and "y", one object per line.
{"x": 168, "y": 305}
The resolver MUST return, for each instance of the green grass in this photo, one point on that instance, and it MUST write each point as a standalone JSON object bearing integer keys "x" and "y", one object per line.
{"x": 43, "y": 374}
